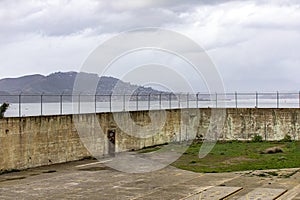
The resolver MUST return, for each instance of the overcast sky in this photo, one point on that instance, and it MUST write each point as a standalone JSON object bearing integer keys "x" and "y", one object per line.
{"x": 254, "y": 44}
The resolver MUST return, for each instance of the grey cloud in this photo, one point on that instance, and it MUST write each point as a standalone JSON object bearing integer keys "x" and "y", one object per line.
{"x": 73, "y": 17}
{"x": 69, "y": 17}
{"x": 254, "y": 43}
{"x": 268, "y": 61}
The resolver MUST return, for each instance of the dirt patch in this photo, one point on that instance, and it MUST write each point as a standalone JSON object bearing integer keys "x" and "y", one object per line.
{"x": 282, "y": 173}
{"x": 272, "y": 150}
{"x": 95, "y": 168}
{"x": 236, "y": 160}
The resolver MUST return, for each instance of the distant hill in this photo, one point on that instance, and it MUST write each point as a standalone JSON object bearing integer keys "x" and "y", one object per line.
{"x": 59, "y": 82}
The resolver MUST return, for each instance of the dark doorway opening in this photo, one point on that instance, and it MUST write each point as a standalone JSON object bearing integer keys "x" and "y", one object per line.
{"x": 111, "y": 136}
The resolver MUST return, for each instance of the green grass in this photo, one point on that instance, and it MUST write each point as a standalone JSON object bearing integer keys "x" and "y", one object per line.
{"x": 234, "y": 156}
{"x": 240, "y": 156}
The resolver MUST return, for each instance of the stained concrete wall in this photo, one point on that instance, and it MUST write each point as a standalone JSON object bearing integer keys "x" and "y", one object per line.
{"x": 34, "y": 141}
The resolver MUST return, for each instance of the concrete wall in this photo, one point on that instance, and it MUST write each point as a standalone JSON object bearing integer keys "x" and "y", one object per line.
{"x": 34, "y": 141}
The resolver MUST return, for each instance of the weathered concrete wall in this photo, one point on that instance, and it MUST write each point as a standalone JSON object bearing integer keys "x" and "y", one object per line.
{"x": 271, "y": 124}
{"x": 34, "y": 141}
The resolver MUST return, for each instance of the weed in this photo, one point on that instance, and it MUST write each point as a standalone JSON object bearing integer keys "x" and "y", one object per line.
{"x": 257, "y": 138}
{"x": 287, "y": 138}
{"x": 272, "y": 173}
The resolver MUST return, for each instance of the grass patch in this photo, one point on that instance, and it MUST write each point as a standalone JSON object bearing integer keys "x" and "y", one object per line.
{"x": 148, "y": 150}
{"x": 240, "y": 156}
{"x": 290, "y": 174}
{"x": 95, "y": 168}
{"x": 151, "y": 148}
{"x": 49, "y": 171}
{"x": 8, "y": 171}
{"x": 262, "y": 175}
{"x": 272, "y": 173}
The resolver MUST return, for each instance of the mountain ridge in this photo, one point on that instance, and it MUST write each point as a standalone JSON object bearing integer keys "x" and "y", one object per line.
{"x": 63, "y": 82}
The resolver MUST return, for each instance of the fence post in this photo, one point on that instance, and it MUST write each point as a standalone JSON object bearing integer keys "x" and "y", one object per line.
{"x": 124, "y": 101}
{"x": 256, "y": 100}
{"x": 42, "y": 103}
{"x": 149, "y": 99}
{"x": 277, "y": 94}
{"x": 61, "y": 100}
{"x": 170, "y": 100}
{"x": 20, "y": 103}
{"x": 95, "y": 101}
{"x": 236, "y": 100}
{"x": 216, "y": 100}
{"x": 179, "y": 100}
{"x": 110, "y": 101}
{"x": 160, "y": 101}
{"x": 197, "y": 100}
{"x": 137, "y": 101}
{"x": 187, "y": 100}
{"x": 79, "y": 103}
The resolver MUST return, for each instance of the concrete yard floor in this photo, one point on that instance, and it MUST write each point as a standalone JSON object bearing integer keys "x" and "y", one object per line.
{"x": 91, "y": 179}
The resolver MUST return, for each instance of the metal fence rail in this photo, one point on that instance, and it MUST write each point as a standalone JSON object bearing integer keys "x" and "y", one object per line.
{"x": 59, "y": 104}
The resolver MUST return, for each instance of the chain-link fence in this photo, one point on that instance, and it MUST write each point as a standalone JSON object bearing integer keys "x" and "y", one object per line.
{"x": 59, "y": 104}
